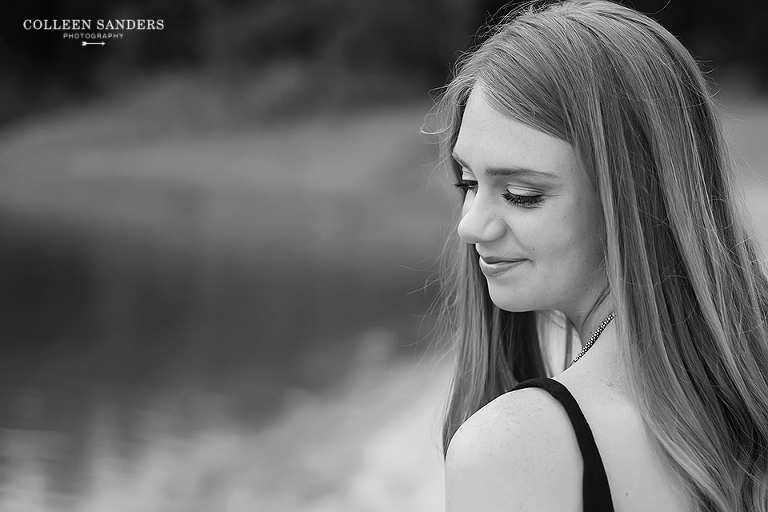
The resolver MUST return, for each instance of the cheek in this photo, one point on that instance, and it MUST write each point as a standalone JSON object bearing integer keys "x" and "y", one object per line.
{"x": 583, "y": 243}
{"x": 566, "y": 239}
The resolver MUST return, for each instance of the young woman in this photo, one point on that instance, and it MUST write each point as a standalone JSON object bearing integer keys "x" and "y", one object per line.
{"x": 598, "y": 197}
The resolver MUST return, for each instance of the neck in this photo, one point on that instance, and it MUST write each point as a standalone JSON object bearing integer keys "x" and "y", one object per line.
{"x": 602, "y": 360}
{"x": 587, "y": 321}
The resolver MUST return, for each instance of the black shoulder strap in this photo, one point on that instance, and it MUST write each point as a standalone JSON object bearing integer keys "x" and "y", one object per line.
{"x": 597, "y": 491}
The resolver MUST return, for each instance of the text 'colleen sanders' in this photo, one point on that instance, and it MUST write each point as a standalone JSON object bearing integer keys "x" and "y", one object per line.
{"x": 101, "y": 25}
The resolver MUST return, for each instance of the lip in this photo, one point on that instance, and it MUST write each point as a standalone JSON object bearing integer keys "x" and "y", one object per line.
{"x": 492, "y": 266}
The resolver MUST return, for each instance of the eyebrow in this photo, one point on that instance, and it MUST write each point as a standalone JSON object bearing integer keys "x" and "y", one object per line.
{"x": 502, "y": 172}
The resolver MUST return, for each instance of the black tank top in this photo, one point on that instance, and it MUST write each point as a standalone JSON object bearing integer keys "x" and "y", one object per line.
{"x": 597, "y": 492}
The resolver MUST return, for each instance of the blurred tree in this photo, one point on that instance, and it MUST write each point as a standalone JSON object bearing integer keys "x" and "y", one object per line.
{"x": 180, "y": 43}
{"x": 35, "y": 63}
{"x": 395, "y": 41}
{"x": 718, "y": 33}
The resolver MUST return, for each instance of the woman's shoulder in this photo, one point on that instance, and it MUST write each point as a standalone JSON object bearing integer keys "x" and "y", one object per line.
{"x": 519, "y": 450}
{"x": 638, "y": 477}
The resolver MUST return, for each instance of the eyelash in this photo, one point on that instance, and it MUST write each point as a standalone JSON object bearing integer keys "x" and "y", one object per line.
{"x": 514, "y": 199}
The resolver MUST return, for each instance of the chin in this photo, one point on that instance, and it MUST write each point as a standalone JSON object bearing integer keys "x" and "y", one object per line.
{"x": 510, "y": 301}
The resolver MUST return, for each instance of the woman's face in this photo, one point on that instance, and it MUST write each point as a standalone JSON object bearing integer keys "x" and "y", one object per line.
{"x": 530, "y": 212}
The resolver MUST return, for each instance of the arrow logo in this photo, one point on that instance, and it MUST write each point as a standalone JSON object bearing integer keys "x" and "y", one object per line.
{"x": 102, "y": 43}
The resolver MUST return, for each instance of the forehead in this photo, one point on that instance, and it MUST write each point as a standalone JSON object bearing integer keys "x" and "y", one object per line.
{"x": 489, "y": 139}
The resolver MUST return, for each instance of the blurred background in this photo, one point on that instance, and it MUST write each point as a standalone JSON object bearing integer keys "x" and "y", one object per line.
{"x": 218, "y": 246}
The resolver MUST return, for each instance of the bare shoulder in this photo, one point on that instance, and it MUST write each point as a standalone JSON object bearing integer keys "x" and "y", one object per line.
{"x": 518, "y": 452}
{"x": 638, "y": 477}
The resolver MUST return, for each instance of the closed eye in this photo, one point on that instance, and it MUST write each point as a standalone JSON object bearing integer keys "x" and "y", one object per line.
{"x": 466, "y": 185}
{"x": 523, "y": 200}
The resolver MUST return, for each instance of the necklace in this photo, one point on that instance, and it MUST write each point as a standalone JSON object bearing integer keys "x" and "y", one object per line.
{"x": 595, "y": 335}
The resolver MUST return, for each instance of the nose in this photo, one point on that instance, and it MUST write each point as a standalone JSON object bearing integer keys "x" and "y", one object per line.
{"x": 479, "y": 222}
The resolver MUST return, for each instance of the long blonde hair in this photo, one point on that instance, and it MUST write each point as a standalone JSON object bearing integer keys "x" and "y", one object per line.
{"x": 690, "y": 291}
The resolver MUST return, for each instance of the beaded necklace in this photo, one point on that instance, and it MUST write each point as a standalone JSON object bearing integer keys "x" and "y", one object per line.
{"x": 594, "y": 336}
